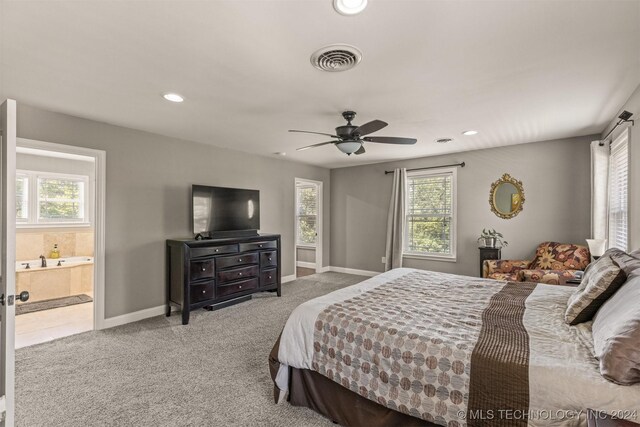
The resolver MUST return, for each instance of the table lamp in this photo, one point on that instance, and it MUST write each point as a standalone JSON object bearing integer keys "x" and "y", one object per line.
{"x": 597, "y": 247}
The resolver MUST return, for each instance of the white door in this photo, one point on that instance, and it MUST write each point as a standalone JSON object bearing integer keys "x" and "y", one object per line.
{"x": 7, "y": 259}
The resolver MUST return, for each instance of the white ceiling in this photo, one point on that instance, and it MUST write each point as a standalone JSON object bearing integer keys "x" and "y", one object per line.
{"x": 517, "y": 71}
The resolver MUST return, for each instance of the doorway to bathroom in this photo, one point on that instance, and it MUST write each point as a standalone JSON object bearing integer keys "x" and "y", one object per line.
{"x": 59, "y": 217}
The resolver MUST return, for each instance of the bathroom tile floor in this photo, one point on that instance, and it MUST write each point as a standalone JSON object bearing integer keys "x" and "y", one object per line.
{"x": 48, "y": 325}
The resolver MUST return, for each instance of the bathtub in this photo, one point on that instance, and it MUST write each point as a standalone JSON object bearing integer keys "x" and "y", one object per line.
{"x": 73, "y": 277}
{"x": 66, "y": 262}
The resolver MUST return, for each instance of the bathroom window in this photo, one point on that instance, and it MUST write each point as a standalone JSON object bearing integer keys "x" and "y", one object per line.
{"x": 51, "y": 199}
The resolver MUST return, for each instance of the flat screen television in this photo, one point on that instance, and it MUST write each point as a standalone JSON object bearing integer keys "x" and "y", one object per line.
{"x": 225, "y": 212}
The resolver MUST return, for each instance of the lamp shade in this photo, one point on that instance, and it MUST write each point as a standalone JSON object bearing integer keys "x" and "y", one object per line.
{"x": 348, "y": 147}
{"x": 597, "y": 247}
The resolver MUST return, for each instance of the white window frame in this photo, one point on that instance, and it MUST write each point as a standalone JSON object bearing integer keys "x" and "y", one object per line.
{"x": 317, "y": 189}
{"x": 33, "y": 220}
{"x": 22, "y": 221}
{"x": 619, "y": 144}
{"x": 452, "y": 257}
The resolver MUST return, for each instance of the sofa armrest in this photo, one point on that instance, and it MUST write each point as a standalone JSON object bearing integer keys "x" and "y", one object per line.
{"x": 503, "y": 266}
{"x": 550, "y": 277}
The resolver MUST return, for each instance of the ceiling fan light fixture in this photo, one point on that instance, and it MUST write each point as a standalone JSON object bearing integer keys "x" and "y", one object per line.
{"x": 349, "y": 7}
{"x": 349, "y": 147}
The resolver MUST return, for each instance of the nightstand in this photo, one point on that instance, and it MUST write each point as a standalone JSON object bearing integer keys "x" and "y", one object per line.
{"x": 488, "y": 253}
{"x": 601, "y": 419}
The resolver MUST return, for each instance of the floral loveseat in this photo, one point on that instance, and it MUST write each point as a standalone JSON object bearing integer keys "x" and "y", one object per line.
{"x": 554, "y": 263}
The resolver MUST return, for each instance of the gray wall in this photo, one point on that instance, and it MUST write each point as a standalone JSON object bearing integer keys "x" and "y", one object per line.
{"x": 633, "y": 106}
{"x": 148, "y": 196}
{"x": 555, "y": 175}
{"x": 306, "y": 254}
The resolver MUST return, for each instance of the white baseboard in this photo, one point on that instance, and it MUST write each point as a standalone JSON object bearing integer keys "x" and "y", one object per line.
{"x": 289, "y": 278}
{"x": 160, "y": 310}
{"x": 304, "y": 264}
{"x": 354, "y": 271}
{"x": 134, "y": 317}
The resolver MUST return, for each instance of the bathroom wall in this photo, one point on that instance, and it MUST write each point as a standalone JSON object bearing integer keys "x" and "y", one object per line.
{"x": 33, "y": 242}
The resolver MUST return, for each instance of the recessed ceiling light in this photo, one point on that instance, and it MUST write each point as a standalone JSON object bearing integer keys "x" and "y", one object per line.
{"x": 443, "y": 140}
{"x": 280, "y": 153}
{"x": 173, "y": 97}
{"x": 470, "y": 132}
{"x": 349, "y": 7}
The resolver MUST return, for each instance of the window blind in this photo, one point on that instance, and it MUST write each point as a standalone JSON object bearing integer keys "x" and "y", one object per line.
{"x": 306, "y": 214}
{"x": 429, "y": 215}
{"x": 618, "y": 193}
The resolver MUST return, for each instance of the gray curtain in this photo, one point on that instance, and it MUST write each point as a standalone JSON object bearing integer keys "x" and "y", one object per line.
{"x": 395, "y": 222}
{"x": 599, "y": 190}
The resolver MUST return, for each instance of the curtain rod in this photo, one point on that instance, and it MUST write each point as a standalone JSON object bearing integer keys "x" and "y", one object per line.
{"x": 624, "y": 118}
{"x": 430, "y": 167}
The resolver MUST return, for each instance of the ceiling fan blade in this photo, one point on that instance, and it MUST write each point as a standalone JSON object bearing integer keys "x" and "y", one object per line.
{"x": 371, "y": 127}
{"x": 316, "y": 145}
{"x": 361, "y": 150}
{"x": 390, "y": 140}
{"x": 315, "y": 133}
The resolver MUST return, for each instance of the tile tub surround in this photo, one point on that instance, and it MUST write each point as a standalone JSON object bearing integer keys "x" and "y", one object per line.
{"x": 55, "y": 282}
{"x": 31, "y": 243}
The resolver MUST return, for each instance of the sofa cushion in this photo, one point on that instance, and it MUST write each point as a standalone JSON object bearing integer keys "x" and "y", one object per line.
{"x": 560, "y": 256}
{"x": 616, "y": 335}
{"x": 550, "y": 277}
{"x": 601, "y": 281}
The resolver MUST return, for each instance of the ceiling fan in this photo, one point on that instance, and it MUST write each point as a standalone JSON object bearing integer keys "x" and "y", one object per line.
{"x": 349, "y": 138}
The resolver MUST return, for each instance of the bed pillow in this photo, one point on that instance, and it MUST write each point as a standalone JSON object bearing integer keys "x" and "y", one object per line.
{"x": 616, "y": 335}
{"x": 627, "y": 262}
{"x": 601, "y": 280}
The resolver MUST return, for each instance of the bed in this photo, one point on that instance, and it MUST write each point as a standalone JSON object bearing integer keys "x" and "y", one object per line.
{"x": 414, "y": 347}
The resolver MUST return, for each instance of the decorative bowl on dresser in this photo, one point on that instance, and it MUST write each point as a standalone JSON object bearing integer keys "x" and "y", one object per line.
{"x": 216, "y": 273}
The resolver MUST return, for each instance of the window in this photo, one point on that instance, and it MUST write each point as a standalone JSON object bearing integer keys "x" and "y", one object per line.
{"x": 430, "y": 214}
{"x": 306, "y": 214}
{"x": 48, "y": 198}
{"x": 618, "y": 193}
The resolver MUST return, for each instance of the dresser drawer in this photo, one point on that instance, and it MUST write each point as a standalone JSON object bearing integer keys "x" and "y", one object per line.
{"x": 237, "y": 287}
{"x": 269, "y": 277}
{"x": 254, "y": 246}
{"x": 213, "y": 250}
{"x": 237, "y": 273}
{"x": 236, "y": 260}
{"x": 268, "y": 259}
{"x": 201, "y": 269}
{"x": 201, "y": 292}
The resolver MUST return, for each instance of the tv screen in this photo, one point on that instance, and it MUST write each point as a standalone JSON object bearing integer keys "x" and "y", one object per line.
{"x": 224, "y": 209}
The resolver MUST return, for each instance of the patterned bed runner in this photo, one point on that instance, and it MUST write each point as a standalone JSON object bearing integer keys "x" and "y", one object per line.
{"x": 443, "y": 348}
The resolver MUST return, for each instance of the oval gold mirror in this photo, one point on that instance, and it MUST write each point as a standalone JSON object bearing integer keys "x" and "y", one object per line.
{"x": 506, "y": 197}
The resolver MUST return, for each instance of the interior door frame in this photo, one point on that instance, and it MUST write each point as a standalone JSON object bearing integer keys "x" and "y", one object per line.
{"x": 99, "y": 230}
{"x": 320, "y": 223}
{"x": 8, "y": 116}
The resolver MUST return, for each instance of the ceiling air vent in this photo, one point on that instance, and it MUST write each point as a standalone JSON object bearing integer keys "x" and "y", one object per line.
{"x": 336, "y": 57}
{"x": 443, "y": 140}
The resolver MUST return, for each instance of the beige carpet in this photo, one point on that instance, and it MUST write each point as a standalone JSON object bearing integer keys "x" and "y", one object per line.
{"x": 156, "y": 372}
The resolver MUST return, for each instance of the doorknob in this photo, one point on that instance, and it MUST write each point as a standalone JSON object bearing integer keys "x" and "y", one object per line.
{"x": 24, "y": 296}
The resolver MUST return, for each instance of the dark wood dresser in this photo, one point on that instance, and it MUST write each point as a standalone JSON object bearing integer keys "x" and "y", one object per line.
{"x": 216, "y": 273}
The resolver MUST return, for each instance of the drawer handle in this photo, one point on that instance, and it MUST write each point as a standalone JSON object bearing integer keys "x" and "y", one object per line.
{"x": 217, "y": 250}
{"x": 240, "y": 287}
{"x": 269, "y": 277}
{"x": 204, "y": 292}
{"x": 204, "y": 269}
{"x": 239, "y": 274}
{"x": 259, "y": 246}
{"x": 239, "y": 259}
{"x": 269, "y": 258}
